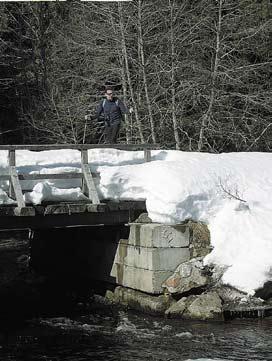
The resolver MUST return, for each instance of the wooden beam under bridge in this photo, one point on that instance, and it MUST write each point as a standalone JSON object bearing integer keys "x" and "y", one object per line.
{"x": 67, "y": 214}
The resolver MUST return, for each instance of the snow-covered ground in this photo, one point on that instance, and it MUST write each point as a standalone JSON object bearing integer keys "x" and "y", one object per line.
{"x": 231, "y": 192}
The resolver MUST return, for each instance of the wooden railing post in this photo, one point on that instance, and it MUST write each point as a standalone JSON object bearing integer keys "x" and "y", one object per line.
{"x": 84, "y": 160}
{"x": 84, "y": 156}
{"x": 16, "y": 189}
{"x": 11, "y": 163}
{"x": 147, "y": 155}
{"x": 88, "y": 186}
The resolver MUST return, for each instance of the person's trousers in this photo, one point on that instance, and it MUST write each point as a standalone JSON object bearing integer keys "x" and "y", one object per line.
{"x": 111, "y": 132}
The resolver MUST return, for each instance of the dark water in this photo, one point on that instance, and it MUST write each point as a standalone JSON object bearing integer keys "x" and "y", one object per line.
{"x": 114, "y": 334}
{"x": 97, "y": 331}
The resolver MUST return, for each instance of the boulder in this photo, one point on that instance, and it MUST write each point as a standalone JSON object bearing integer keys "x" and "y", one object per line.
{"x": 200, "y": 244}
{"x": 139, "y": 300}
{"x": 229, "y": 294}
{"x": 177, "y": 309}
{"x": 191, "y": 275}
{"x": 265, "y": 292}
{"x": 207, "y": 306}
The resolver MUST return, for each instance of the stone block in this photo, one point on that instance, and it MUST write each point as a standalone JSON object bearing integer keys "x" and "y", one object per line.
{"x": 138, "y": 278}
{"x": 151, "y": 258}
{"x": 159, "y": 235}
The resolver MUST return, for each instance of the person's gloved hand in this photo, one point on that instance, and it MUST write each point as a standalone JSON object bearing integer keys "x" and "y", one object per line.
{"x": 131, "y": 110}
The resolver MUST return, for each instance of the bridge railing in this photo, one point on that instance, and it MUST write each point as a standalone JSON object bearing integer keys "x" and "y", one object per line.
{"x": 88, "y": 186}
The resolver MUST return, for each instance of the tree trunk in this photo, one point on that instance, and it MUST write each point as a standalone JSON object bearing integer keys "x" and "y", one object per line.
{"x": 143, "y": 68}
{"x": 125, "y": 55}
{"x": 126, "y": 116}
{"x": 207, "y": 115}
{"x": 173, "y": 90}
{"x": 124, "y": 84}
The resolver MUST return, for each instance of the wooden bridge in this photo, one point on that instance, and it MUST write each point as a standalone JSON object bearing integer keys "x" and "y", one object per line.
{"x": 64, "y": 214}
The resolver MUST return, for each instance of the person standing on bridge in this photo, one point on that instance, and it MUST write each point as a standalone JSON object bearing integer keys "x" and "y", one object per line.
{"x": 110, "y": 110}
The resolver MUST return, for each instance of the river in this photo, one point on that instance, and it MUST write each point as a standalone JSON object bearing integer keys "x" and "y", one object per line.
{"x": 42, "y": 321}
{"x": 110, "y": 333}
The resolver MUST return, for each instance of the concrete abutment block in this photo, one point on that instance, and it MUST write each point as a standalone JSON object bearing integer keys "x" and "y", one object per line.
{"x": 151, "y": 258}
{"x": 158, "y": 235}
{"x": 150, "y": 255}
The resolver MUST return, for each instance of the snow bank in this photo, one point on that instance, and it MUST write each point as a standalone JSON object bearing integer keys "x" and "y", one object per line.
{"x": 232, "y": 193}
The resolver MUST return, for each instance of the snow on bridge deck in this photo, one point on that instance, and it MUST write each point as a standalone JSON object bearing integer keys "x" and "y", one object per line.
{"x": 62, "y": 214}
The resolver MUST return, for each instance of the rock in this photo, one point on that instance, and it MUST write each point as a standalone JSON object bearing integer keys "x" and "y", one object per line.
{"x": 109, "y": 296}
{"x": 229, "y": 294}
{"x": 191, "y": 275}
{"x": 207, "y": 306}
{"x": 139, "y": 300}
{"x": 177, "y": 309}
{"x": 200, "y": 244}
{"x": 143, "y": 218}
{"x": 265, "y": 292}
{"x": 237, "y": 304}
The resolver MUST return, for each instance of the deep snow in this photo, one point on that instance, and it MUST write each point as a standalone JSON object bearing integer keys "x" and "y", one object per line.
{"x": 231, "y": 192}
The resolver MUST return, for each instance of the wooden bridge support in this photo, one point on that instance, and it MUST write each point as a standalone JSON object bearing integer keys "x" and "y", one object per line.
{"x": 16, "y": 189}
{"x": 88, "y": 186}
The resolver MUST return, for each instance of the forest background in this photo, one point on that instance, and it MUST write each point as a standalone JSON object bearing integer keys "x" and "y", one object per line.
{"x": 196, "y": 72}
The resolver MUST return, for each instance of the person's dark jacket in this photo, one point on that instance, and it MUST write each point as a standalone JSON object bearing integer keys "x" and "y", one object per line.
{"x": 111, "y": 110}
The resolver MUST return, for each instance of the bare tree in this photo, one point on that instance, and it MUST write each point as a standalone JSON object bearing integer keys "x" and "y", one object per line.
{"x": 197, "y": 73}
{"x": 172, "y": 6}
{"x": 143, "y": 69}
{"x": 207, "y": 115}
